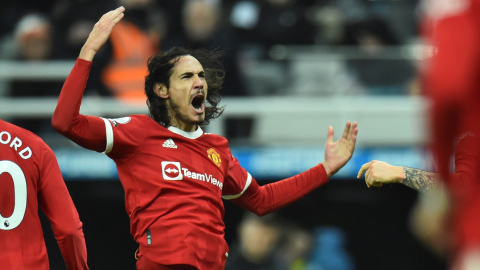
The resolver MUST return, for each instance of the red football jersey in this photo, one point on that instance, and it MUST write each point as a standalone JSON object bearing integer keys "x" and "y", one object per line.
{"x": 174, "y": 181}
{"x": 452, "y": 76}
{"x": 29, "y": 178}
{"x": 452, "y": 80}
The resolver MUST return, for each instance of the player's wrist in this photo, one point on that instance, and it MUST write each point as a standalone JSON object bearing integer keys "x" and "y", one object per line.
{"x": 400, "y": 175}
{"x": 327, "y": 168}
{"x": 87, "y": 53}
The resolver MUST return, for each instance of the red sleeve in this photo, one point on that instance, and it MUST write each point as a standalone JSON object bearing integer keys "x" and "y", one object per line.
{"x": 56, "y": 203}
{"x": 466, "y": 160}
{"x": 86, "y": 131}
{"x": 236, "y": 180}
{"x": 450, "y": 80}
{"x": 265, "y": 199}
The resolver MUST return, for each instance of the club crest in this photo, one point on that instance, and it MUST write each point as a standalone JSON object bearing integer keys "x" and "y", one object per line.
{"x": 214, "y": 156}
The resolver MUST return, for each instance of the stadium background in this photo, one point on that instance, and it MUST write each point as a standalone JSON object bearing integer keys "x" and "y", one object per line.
{"x": 327, "y": 62}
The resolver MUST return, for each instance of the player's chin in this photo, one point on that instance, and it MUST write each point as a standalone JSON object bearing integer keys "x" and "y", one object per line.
{"x": 198, "y": 119}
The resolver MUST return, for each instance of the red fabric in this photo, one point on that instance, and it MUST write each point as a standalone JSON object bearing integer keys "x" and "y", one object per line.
{"x": 452, "y": 78}
{"x": 174, "y": 181}
{"x": 265, "y": 199}
{"x": 87, "y": 131}
{"x": 23, "y": 247}
{"x": 452, "y": 81}
{"x": 145, "y": 264}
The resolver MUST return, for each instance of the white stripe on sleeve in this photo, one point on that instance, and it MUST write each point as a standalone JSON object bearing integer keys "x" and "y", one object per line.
{"x": 109, "y": 134}
{"x": 247, "y": 184}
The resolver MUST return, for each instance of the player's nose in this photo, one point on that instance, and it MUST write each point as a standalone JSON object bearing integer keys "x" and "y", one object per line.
{"x": 198, "y": 82}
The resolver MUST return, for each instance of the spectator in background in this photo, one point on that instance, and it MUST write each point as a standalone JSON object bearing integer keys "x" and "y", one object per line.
{"x": 121, "y": 69}
{"x": 328, "y": 25}
{"x": 133, "y": 41}
{"x": 375, "y": 70}
{"x": 33, "y": 41}
{"x": 257, "y": 244}
{"x": 270, "y": 22}
{"x": 11, "y": 12}
{"x": 73, "y": 20}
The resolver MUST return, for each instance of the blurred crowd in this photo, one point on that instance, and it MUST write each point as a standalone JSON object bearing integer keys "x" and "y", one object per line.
{"x": 265, "y": 43}
{"x": 252, "y": 33}
{"x": 272, "y": 242}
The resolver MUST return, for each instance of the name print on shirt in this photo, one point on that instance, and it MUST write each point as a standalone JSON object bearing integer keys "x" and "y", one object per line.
{"x": 172, "y": 170}
{"x": 15, "y": 144}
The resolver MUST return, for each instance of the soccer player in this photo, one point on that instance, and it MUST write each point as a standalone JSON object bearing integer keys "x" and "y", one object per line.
{"x": 30, "y": 177}
{"x": 175, "y": 175}
{"x": 452, "y": 83}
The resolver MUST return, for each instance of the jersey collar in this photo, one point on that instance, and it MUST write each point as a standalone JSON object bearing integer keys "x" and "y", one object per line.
{"x": 189, "y": 135}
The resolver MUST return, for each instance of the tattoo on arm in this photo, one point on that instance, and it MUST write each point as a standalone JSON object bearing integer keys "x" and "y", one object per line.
{"x": 419, "y": 180}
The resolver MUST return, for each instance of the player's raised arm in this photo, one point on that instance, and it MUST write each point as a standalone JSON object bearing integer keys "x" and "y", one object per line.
{"x": 87, "y": 131}
{"x": 378, "y": 173}
{"x": 265, "y": 199}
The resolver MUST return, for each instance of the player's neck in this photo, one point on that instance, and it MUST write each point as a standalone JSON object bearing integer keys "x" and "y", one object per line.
{"x": 183, "y": 126}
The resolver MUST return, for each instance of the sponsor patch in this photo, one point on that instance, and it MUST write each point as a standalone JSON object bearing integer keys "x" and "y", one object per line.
{"x": 121, "y": 120}
{"x": 171, "y": 170}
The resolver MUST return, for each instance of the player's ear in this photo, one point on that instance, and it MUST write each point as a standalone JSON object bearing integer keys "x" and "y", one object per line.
{"x": 161, "y": 90}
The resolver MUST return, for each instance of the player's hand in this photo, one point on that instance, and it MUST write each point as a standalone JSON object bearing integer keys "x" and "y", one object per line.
{"x": 100, "y": 33}
{"x": 378, "y": 173}
{"x": 338, "y": 153}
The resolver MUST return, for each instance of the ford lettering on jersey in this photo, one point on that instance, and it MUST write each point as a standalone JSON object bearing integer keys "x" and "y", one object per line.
{"x": 173, "y": 171}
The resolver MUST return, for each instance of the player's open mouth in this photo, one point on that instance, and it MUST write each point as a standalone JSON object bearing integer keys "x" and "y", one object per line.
{"x": 198, "y": 102}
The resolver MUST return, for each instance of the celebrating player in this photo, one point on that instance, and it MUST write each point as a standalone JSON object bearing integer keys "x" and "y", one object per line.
{"x": 30, "y": 177}
{"x": 175, "y": 175}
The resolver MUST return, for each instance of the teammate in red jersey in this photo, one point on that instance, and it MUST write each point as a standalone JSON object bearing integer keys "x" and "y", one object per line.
{"x": 175, "y": 175}
{"x": 30, "y": 177}
{"x": 452, "y": 82}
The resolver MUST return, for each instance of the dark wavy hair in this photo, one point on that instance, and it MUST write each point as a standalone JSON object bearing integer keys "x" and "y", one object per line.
{"x": 160, "y": 68}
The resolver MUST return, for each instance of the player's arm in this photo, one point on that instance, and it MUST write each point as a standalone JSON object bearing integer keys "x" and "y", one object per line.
{"x": 378, "y": 173}
{"x": 86, "y": 131}
{"x": 466, "y": 160}
{"x": 265, "y": 199}
{"x": 268, "y": 198}
{"x": 56, "y": 203}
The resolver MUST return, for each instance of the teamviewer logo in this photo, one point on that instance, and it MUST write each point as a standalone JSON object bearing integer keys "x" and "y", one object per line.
{"x": 171, "y": 170}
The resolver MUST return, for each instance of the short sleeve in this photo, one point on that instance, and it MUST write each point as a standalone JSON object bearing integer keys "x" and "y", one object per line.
{"x": 237, "y": 180}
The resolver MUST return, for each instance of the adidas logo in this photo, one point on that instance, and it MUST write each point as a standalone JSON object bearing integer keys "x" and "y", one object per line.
{"x": 169, "y": 144}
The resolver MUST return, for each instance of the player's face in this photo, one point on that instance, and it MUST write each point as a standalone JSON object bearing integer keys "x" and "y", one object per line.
{"x": 187, "y": 93}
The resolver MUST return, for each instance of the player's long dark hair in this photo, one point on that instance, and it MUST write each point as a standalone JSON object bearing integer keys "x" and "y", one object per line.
{"x": 160, "y": 68}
